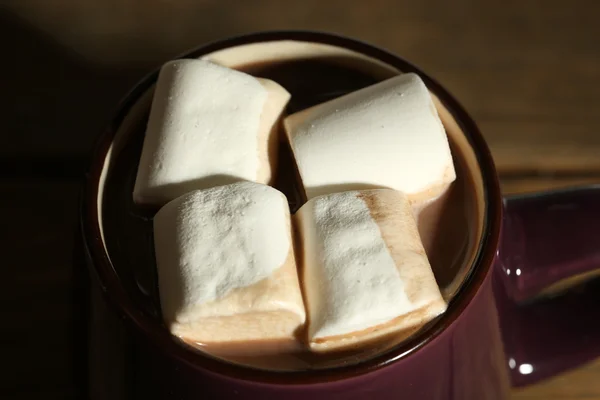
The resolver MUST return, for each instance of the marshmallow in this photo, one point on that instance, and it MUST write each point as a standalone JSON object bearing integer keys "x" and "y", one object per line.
{"x": 226, "y": 269}
{"x": 387, "y": 135}
{"x": 365, "y": 273}
{"x": 208, "y": 126}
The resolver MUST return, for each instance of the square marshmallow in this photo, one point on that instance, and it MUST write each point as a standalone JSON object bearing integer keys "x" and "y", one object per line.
{"x": 387, "y": 135}
{"x": 226, "y": 269}
{"x": 365, "y": 272}
{"x": 209, "y": 125}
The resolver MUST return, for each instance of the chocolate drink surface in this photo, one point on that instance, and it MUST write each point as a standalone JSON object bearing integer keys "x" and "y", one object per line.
{"x": 447, "y": 225}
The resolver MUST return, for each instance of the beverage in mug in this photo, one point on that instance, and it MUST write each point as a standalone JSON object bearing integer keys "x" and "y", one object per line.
{"x": 460, "y": 232}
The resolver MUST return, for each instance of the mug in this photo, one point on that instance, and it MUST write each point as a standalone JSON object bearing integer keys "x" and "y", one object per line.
{"x": 506, "y": 326}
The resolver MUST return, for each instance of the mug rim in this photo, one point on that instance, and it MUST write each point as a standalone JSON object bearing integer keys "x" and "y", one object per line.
{"x": 163, "y": 341}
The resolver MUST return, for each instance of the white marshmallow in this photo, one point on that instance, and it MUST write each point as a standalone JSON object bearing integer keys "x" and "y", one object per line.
{"x": 387, "y": 135}
{"x": 226, "y": 267}
{"x": 208, "y": 126}
{"x": 365, "y": 272}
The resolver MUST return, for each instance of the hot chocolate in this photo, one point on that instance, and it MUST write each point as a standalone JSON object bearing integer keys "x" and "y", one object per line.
{"x": 448, "y": 226}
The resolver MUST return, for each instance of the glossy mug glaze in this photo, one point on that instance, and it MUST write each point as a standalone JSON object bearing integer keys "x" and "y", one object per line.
{"x": 489, "y": 338}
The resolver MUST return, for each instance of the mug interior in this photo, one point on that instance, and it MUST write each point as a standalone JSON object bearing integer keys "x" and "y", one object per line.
{"x": 252, "y": 51}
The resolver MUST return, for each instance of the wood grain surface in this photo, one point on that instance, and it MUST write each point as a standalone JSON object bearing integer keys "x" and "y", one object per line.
{"x": 527, "y": 70}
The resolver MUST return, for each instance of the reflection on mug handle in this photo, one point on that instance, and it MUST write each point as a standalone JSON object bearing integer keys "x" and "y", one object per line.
{"x": 550, "y": 244}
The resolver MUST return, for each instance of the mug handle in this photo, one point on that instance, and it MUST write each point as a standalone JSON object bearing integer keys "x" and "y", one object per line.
{"x": 550, "y": 322}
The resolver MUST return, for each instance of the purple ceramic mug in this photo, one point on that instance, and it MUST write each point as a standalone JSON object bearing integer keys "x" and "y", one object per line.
{"x": 493, "y": 335}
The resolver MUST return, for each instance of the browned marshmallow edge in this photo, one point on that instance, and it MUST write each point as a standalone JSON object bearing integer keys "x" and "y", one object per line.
{"x": 391, "y": 214}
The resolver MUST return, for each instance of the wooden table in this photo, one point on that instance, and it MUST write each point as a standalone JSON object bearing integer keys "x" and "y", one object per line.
{"x": 528, "y": 71}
